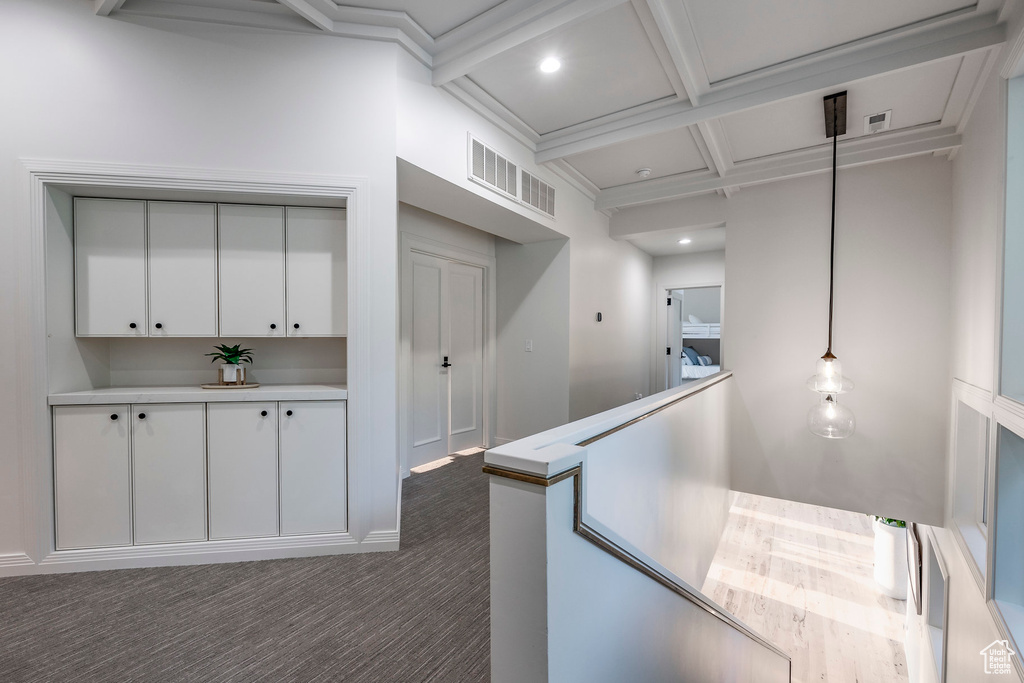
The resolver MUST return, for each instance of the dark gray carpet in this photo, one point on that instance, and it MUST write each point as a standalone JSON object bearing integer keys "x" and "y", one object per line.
{"x": 421, "y": 614}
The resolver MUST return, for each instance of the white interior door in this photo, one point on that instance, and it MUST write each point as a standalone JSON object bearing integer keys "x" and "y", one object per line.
{"x": 428, "y": 342}
{"x": 444, "y": 326}
{"x": 674, "y": 343}
{"x": 466, "y": 354}
{"x": 182, "y": 269}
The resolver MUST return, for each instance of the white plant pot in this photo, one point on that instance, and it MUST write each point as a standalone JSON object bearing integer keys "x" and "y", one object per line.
{"x": 232, "y": 374}
{"x": 891, "y": 560}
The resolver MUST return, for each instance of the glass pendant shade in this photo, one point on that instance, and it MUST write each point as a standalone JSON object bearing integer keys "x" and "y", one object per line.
{"x": 831, "y": 420}
{"x": 828, "y": 377}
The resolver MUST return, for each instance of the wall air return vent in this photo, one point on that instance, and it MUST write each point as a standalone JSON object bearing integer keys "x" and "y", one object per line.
{"x": 538, "y": 194}
{"x": 876, "y": 123}
{"x": 489, "y": 168}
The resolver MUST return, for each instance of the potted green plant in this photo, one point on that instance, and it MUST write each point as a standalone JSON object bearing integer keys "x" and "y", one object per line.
{"x": 891, "y": 556}
{"x": 232, "y": 357}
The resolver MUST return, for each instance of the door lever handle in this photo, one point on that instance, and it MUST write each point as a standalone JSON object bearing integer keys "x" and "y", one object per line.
{"x": 446, "y": 364}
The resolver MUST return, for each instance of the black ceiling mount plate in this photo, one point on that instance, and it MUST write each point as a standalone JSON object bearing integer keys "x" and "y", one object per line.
{"x": 838, "y": 102}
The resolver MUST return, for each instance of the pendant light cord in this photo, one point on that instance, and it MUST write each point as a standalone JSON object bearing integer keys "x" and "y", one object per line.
{"x": 832, "y": 255}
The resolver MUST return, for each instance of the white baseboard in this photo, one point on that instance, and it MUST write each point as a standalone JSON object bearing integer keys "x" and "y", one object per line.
{"x": 15, "y": 564}
{"x": 200, "y": 552}
{"x": 498, "y": 441}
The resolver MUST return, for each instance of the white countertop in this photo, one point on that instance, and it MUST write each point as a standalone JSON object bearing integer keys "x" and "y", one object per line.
{"x": 195, "y": 394}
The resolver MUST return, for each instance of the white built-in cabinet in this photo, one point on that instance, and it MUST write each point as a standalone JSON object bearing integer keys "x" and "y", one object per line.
{"x": 252, "y": 271}
{"x": 182, "y": 269}
{"x": 188, "y": 269}
{"x": 317, "y": 273}
{"x": 110, "y": 268}
{"x": 92, "y": 476}
{"x": 169, "y": 472}
{"x": 181, "y": 472}
{"x": 312, "y": 479}
{"x": 243, "y": 470}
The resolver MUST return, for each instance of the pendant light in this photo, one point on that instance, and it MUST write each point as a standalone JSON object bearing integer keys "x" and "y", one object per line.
{"x": 828, "y": 418}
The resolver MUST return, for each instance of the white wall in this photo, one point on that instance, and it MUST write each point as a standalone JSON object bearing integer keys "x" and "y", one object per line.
{"x": 533, "y": 304}
{"x": 191, "y": 95}
{"x": 416, "y": 221}
{"x": 892, "y": 331}
{"x": 608, "y": 361}
{"x": 978, "y": 178}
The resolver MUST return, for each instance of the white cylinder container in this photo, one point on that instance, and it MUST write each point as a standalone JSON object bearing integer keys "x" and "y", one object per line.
{"x": 232, "y": 374}
{"x": 891, "y": 560}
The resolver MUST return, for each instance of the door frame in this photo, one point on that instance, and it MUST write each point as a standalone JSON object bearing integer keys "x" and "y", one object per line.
{"x": 409, "y": 244}
{"x": 661, "y": 292}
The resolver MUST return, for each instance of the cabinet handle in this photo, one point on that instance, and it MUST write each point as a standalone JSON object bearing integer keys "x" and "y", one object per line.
{"x": 159, "y": 326}
{"x": 113, "y": 417}
{"x": 273, "y": 326}
{"x": 288, "y": 413}
{"x": 263, "y": 413}
{"x": 296, "y": 326}
{"x": 142, "y": 416}
{"x": 132, "y": 325}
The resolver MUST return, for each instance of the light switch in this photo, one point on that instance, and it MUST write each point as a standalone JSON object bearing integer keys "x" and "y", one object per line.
{"x": 529, "y": 345}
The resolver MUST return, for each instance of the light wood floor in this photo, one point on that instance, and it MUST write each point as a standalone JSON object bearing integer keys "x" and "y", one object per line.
{"x": 801, "y": 576}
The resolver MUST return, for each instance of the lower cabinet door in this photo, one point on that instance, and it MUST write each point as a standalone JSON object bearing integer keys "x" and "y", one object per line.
{"x": 243, "y": 489}
{"x": 313, "y": 467}
{"x": 169, "y": 454}
{"x": 92, "y": 476}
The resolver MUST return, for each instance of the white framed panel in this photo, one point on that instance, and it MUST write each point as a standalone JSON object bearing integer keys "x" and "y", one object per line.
{"x": 317, "y": 272}
{"x": 935, "y": 595}
{"x": 182, "y": 269}
{"x": 92, "y": 476}
{"x": 169, "y": 472}
{"x": 110, "y": 268}
{"x": 314, "y": 485}
{"x": 251, "y": 262}
{"x": 243, "y": 469}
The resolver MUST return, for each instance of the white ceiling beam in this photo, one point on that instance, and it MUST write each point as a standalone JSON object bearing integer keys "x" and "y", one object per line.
{"x": 970, "y": 81}
{"x": 105, "y": 8}
{"x": 921, "y": 48}
{"x": 270, "y": 16}
{"x": 661, "y": 49}
{"x": 692, "y": 213}
{"x": 311, "y": 14}
{"x": 676, "y": 29}
{"x": 493, "y": 38}
{"x": 859, "y": 151}
{"x": 713, "y": 134}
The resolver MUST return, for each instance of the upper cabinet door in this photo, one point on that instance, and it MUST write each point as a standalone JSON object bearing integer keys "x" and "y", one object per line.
{"x": 251, "y": 271}
{"x": 317, "y": 273}
{"x": 182, "y": 269}
{"x": 110, "y": 268}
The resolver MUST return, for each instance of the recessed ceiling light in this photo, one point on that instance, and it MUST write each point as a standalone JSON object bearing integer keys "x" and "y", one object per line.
{"x": 685, "y": 240}
{"x": 550, "y": 65}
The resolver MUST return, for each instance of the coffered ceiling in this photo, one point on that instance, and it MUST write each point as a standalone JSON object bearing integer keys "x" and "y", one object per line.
{"x": 711, "y": 96}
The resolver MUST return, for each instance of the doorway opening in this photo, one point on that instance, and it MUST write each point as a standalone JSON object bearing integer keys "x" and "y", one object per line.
{"x": 693, "y": 346}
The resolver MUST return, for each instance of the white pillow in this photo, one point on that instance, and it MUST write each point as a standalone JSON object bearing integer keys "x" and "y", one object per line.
{"x": 694, "y": 320}
{"x": 686, "y": 360}
{"x": 705, "y": 360}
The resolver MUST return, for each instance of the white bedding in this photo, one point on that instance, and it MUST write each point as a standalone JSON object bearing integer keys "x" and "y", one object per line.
{"x": 698, "y": 371}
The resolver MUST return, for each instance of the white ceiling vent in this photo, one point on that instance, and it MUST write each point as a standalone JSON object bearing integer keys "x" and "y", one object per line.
{"x": 538, "y": 194}
{"x": 875, "y": 123}
{"x": 490, "y": 168}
